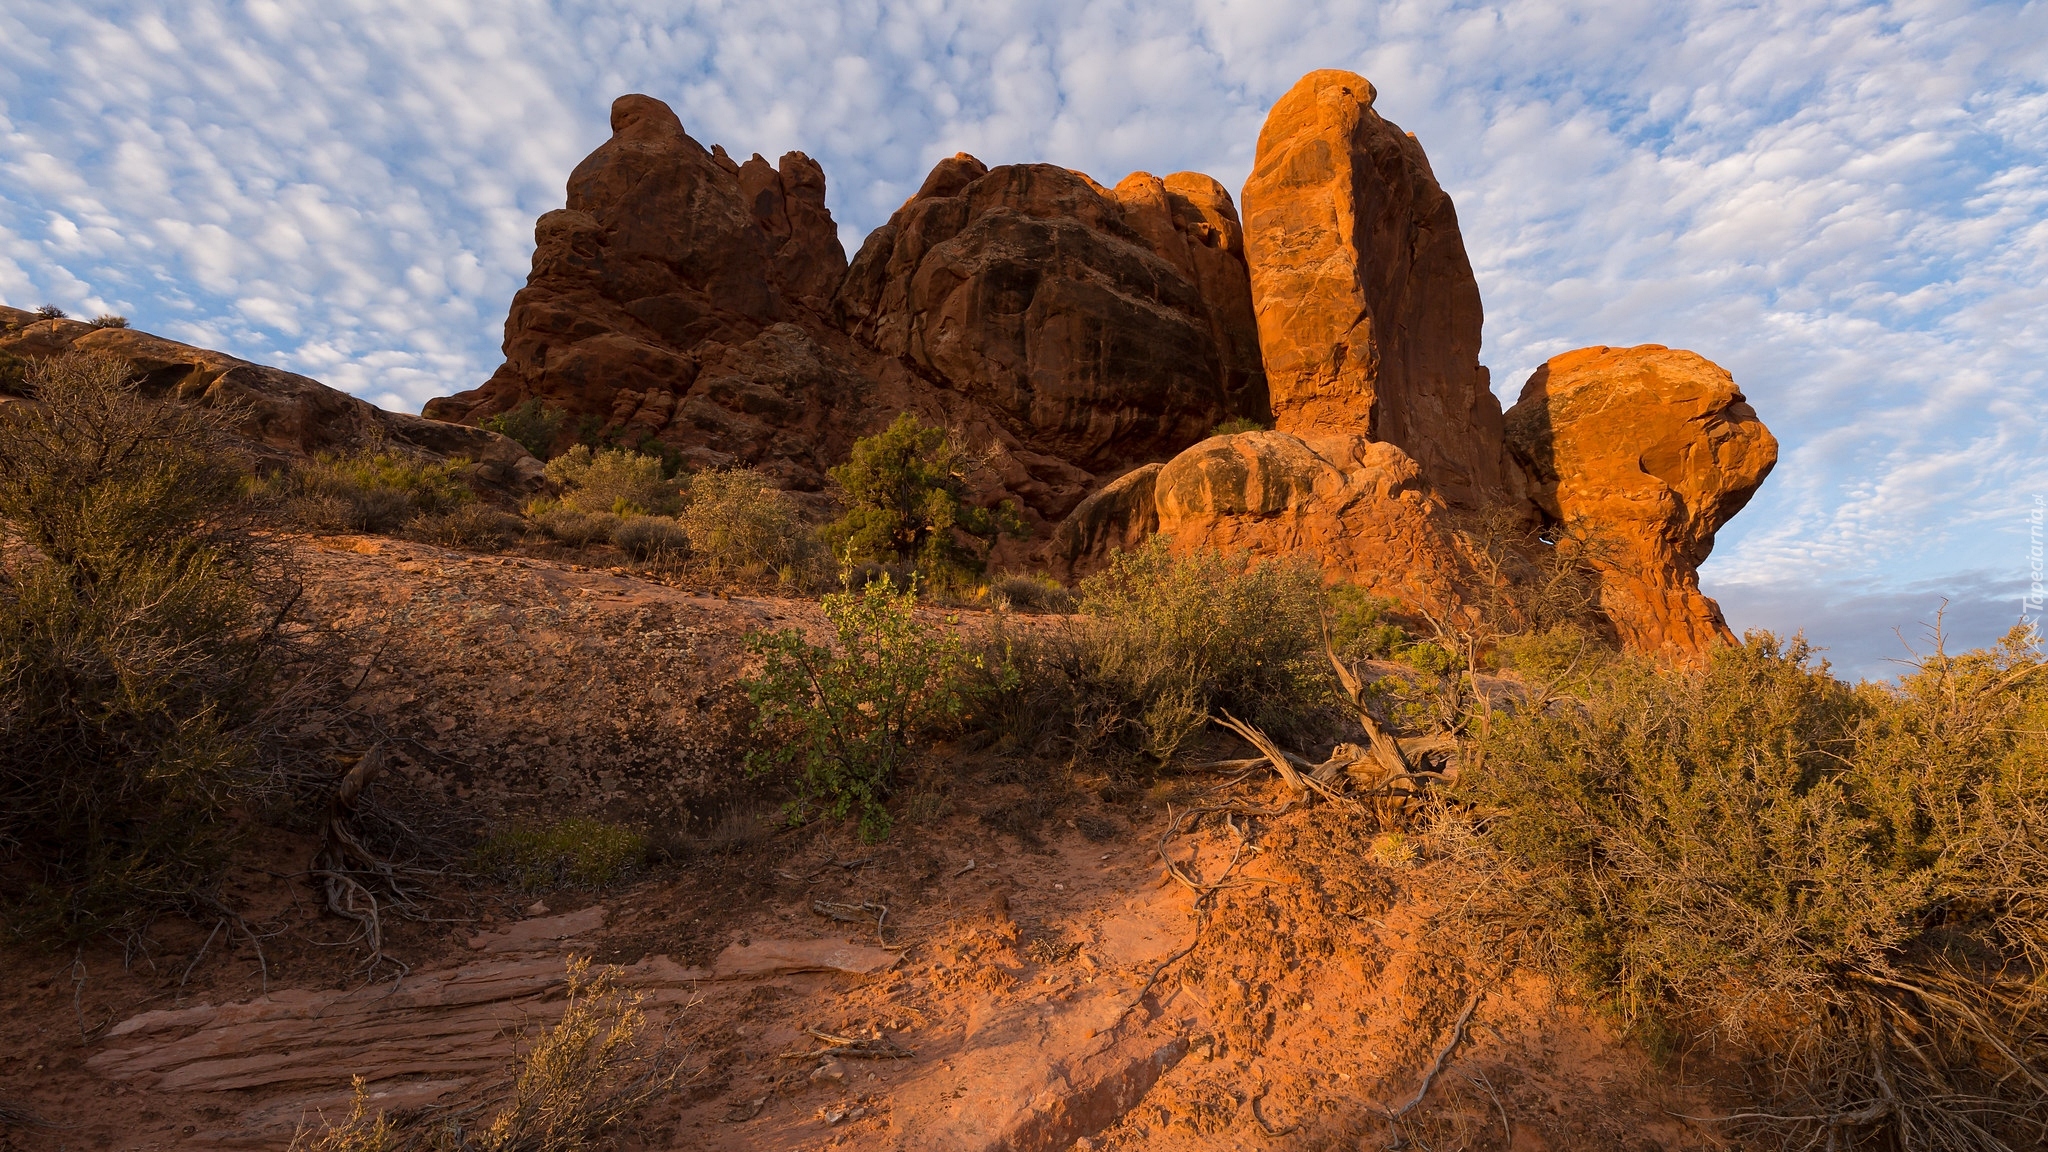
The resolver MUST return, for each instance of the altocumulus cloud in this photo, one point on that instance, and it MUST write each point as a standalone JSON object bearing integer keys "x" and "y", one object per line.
{"x": 1845, "y": 204}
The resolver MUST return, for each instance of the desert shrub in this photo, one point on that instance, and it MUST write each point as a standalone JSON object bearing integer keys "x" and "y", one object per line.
{"x": 51, "y": 312}
{"x": 475, "y": 526}
{"x": 360, "y": 1131}
{"x": 576, "y": 1081}
{"x": 1162, "y": 642}
{"x": 846, "y": 715}
{"x": 1235, "y": 425}
{"x": 532, "y": 425}
{"x": 1847, "y": 887}
{"x": 133, "y": 641}
{"x": 1363, "y": 626}
{"x": 651, "y": 538}
{"x": 737, "y": 519}
{"x": 578, "y": 852}
{"x": 370, "y": 490}
{"x": 108, "y": 320}
{"x": 567, "y": 525}
{"x": 13, "y": 375}
{"x": 1031, "y": 593}
{"x": 616, "y": 481}
{"x": 906, "y": 492}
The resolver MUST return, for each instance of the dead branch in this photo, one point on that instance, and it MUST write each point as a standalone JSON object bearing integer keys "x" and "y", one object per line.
{"x": 1443, "y": 1054}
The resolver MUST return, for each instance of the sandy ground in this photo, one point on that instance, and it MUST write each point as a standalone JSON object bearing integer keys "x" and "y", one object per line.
{"x": 1026, "y": 910}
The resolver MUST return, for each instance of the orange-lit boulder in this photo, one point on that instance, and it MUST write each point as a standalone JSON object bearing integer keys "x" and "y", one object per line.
{"x": 1649, "y": 450}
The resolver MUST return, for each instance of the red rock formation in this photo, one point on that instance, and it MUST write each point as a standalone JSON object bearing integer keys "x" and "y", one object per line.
{"x": 1100, "y": 331}
{"x": 285, "y": 415}
{"x": 1368, "y": 313}
{"x": 680, "y": 296}
{"x": 1649, "y": 450}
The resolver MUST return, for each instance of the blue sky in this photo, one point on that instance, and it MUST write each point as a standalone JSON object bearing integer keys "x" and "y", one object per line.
{"x": 1844, "y": 204}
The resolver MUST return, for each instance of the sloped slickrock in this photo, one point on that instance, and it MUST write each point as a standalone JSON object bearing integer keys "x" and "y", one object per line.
{"x": 1117, "y": 517}
{"x": 1368, "y": 313}
{"x": 677, "y": 296}
{"x": 287, "y": 415}
{"x": 1650, "y": 450}
{"x": 1102, "y": 332}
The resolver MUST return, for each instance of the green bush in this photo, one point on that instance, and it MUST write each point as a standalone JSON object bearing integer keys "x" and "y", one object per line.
{"x": 1162, "y": 642}
{"x": 1237, "y": 424}
{"x": 738, "y": 520}
{"x": 134, "y": 635}
{"x": 845, "y": 715}
{"x": 651, "y": 538}
{"x": 370, "y": 490}
{"x": 616, "y": 481}
{"x": 1031, "y": 593}
{"x": 577, "y": 852}
{"x": 906, "y": 490}
{"x": 1848, "y": 885}
{"x": 531, "y": 424}
{"x": 13, "y": 375}
{"x": 567, "y": 525}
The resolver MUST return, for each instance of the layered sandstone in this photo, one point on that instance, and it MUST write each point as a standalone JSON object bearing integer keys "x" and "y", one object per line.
{"x": 679, "y": 296}
{"x": 284, "y": 415}
{"x": 1102, "y": 328}
{"x": 1647, "y": 451}
{"x": 1368, "y": 313}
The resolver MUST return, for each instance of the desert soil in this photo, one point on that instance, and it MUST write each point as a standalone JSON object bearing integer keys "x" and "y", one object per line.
{"x": 1003, "y": 1001}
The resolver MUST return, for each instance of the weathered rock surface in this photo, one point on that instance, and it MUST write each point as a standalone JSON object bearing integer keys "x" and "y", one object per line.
{"x": 1650, "y": 450}
{"x": 1103, "y": 329}
{"x": 1368, "y": 314}
{"x": 678, "y": 296}
{"x": 1357, "y": 508}
{"x": 288, "y": 415}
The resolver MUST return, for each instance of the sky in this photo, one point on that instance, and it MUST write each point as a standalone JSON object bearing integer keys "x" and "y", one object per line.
{"x": 1844, "y": 204}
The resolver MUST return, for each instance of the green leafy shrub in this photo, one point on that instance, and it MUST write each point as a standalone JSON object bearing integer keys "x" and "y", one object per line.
{"x": 13, "y": 375}
{"x": 1237, "y": 424}
{"x": 1363, "y": 626}
{"x": 846, "y": 715}
{"x": 651, "y": 538}
{"x": 532, "y": 425}
{"x": 906, "y": 490}
{"x": 1849, "y": 886}
{"x": 371, "y": 490}
{"x": 738, "y": 520}
{"x": 616, "y": 481}
{"x": 578, "y": 852}
{"x": 134, "y": 644}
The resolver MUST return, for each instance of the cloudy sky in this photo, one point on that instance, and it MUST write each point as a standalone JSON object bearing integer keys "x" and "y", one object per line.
{"x": 1845, "y": 204}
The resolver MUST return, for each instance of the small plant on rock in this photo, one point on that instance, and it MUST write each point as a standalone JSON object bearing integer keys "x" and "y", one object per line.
{"x": 845, "y": 715}
{"x": 532, "y": 425}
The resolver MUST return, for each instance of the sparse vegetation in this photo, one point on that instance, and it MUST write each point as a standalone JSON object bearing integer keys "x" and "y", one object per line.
{"x": 135, "y": 626}
{"x": 476, "y": 526}
{"x": 1237, "y": 424}
{"x": 51, "y": 312}
{"x": 738, "y": 521}
{"x": 1846, "y": 887}
{"x": 845, "y": 715}
{"x": 533, "y": 425}
{"x": 576, "y": 852}
{"x": 1030, "y": 593}
{"x": 616, "y": 481}
{"x": 371, "y": 490}
{"x": 651, "y": 538}
{"x": 906, "y": 490}
{"x": 568, "y": 526}
{"x": 1164, "y": 641}
{"x": 108, "y": 320}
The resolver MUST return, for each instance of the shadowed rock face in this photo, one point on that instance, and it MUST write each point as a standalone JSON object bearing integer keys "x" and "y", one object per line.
{"x": 680, "y": 296}
{"x": 285, "y": 416}
{"x": 1368, "y": 314}
{"x": 1103, "y": 328}
{"x": 1651, "y": 450}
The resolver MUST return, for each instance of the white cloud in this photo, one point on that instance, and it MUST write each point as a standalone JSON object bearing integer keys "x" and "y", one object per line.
{"x": 1846, "y": 204}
